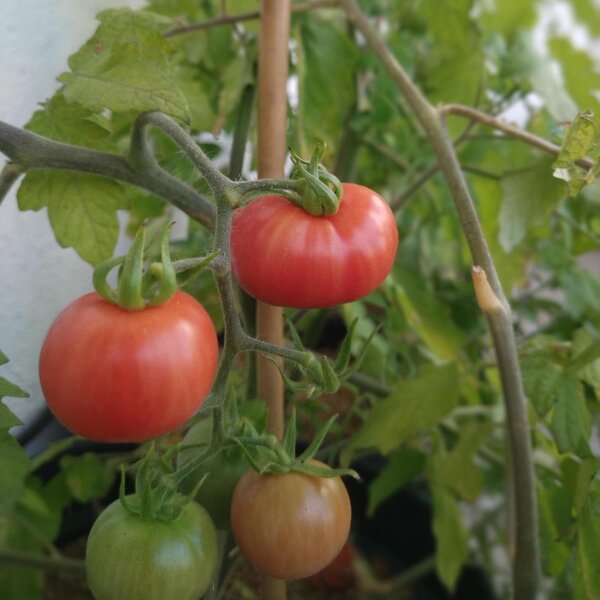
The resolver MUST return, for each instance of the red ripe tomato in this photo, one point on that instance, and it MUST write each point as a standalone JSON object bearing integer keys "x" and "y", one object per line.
{"x": 338, "y": 575}
{"x": 109, "y": 374}
{"x": 287, "y": 257}
{"x": 290, "y": 526}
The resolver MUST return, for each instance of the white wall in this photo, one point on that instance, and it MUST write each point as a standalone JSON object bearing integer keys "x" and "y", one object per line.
{"x": 38, "y": 277}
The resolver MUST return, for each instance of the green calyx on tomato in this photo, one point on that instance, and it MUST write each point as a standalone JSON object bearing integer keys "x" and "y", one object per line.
{"x": 131, "y": 558}
{"x": 137, "y": 290}
{"x": 322, "y": 190}
{"x": 266, "y": 454}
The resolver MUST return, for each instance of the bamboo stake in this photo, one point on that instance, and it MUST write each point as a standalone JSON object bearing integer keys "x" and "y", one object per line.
{"x": 272, "y": 128}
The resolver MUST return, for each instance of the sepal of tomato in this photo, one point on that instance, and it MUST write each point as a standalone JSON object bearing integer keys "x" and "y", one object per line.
{"x": 114, "y": 375}
{"x": 130, "y": 558}
{"x": 284, "y": 256}
{"x": 290, "y": 526}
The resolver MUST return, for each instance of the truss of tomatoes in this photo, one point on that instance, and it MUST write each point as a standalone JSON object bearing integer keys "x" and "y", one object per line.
{"x": 286, "y": 257}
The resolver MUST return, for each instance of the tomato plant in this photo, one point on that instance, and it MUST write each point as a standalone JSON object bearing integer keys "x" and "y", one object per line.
{"x": 115, "y": 375}
{"x": 130, "y": 558}
{"x": 284, "y": 256}
{"x": 290, "y": 526}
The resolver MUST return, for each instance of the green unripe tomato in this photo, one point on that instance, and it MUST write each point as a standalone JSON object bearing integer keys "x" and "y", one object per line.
{"x": 129, "y": 558}
{"x": 224, "y": 471}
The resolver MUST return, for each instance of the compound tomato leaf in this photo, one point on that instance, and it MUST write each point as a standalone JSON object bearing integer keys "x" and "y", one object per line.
{"x": 541, "y": 376}
{"x": 71, "y": 123}
{"x": 404, "y": 465}
{"x": 579, "y": 72}
{"x": 528, "y": 198}
{"x": 428, "y": 317}
{"x": 571, "y": 420}
{"x": 14, "y": 463}
{"x": 586, "y": 564}
{"x": 414, "y": 405}
{"x": 82, "y": 209}
{"x": 125, "y": 67}
{"x": 326, "y": 63}
{"x": 459, "y": 472}
{"x": 452, "y": 538}
{"x": 86, "y": 476}
{"x": 553, "y": 506}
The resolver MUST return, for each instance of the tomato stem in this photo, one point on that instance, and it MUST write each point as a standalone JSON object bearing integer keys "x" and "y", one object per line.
{"x": 37, "y": 561}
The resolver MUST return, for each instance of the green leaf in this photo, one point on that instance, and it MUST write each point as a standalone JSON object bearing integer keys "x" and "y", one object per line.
{"x": 586, "y": 357}
{"x": 71, "y": 123}
{"x": 197, "y": 96}
{"x": 124, "y": 68}
{"x": 509, "y": 15}
{"x": 582, "y": 288}
{"x": 528, "y": 198}
{"x": 458, "y": 470}
{"x": 510, "y": 265}
{"x": 326, "y": 64}
{"x": 19, "y": 583}
{"x": 404, "y": 465}
{"x": 526, "y": 61}
{"x": 8, "y": 388}
{"x": 86, "y": 476}
{"x": 82, "y": 209}
{"x": 413, "y": 406}
{"x": 428, "y": 317}
{"x": 14, "y": 463}
{"x": 455, "y": 62}
{"x": 571, "y": 420}
{"x": 580, "y": 73}
{"x": 585, "y": 473}
{"x": 578, "y": 141}
{"x": 589, "y": 372}
{"x": 588, "y": 542}
{"x": 555, "y": 553}
{"x": 541, "y": 379}
{"x": 452, "y": 538}
{"x": 234, "y": 77}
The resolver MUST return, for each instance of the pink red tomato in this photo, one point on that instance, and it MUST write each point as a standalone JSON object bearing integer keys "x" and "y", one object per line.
{"x": 109, "y": 374}
{"x": 287, "y": 257}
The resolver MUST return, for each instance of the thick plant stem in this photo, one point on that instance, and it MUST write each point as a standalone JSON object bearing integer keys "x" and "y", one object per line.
{"x": 272, "y": 144}
{"x": 30, "y": 150}
{"x": 526, "y": 561}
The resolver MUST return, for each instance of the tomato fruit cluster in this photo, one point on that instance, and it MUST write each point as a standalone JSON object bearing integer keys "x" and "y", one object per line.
{"x": 284, "y": 256}
{"x": 129, "y": 558}
{"x": 290, "y": 526}
{"x": 114, "y": 375}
